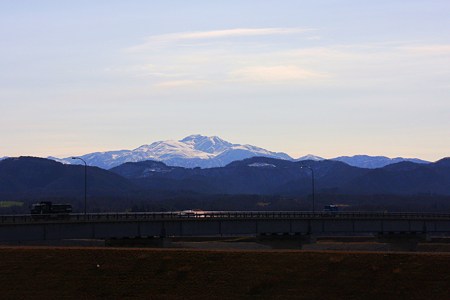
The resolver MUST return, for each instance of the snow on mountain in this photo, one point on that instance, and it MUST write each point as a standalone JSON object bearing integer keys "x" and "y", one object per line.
{"x": 61, "y": 160}
{"x": 208, "y": 144}
{"x": 212, "y": 151}
{"x": 310, "y": 157}
{"x": 262, "y": 165}
{"x": 374, "y": 162}
{"x": 191, "y": 151}
{"x": 168, "y": 149}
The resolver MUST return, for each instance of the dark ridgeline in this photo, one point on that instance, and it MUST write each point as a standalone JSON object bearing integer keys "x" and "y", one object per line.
{"x": 269, "y": 176}
{"x": 32, "y": 175}
{"x": 32, "y": 179}
{"x": 287, "y": 186}
{"x": 257, "y": 175}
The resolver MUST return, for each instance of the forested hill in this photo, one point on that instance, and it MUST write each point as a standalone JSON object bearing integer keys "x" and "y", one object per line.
{"x": 262, "y": 175}
{"x": 29, "y": 179}
{"x": 38, "y": 177}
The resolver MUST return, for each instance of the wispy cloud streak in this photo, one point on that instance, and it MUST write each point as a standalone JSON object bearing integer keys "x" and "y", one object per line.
{"x": 428, "y": 49}
{"x": 215, "y": 34}
{"x": 274, "y": 74}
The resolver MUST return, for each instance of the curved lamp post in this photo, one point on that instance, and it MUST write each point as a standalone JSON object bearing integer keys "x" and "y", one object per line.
{"x": 85, "y": 181}
{"x": 312, "y": 181}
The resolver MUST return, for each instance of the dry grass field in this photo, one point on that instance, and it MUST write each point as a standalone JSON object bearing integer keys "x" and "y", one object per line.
{"x": 112, "y": 273}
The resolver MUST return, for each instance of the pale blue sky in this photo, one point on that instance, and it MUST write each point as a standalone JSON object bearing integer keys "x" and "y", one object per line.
{"x": 329, "y": 77}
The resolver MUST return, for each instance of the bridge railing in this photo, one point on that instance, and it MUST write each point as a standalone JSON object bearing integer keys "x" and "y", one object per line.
{"x": 244, "y": 215}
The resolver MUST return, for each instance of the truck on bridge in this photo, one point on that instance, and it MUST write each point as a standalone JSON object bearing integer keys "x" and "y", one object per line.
{"x": 48, "y": 210}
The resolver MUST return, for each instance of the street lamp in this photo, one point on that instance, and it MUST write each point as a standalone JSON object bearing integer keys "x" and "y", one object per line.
{"x": 85, "y": 181}
{"x": 312, "y": 182}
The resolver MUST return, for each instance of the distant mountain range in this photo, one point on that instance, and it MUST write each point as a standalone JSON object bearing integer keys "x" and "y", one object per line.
{"x": 212, "y": 151}
{"x": 190, "y": 152}
{"x": 38, "y": 177}
{"x": 29, "y": 179}
{"x": 261, "y": 175}
{"x": 374, "y": 162}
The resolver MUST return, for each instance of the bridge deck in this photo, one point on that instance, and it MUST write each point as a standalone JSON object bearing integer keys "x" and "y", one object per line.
{"x": 225, "y": 215}
{"x": 224, "y": 223}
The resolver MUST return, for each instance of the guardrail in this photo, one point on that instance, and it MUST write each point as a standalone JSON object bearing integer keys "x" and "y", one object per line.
{"x": 282, "y": 215}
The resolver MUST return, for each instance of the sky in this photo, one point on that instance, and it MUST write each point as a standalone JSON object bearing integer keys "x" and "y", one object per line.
{"x": 322, "y": 77}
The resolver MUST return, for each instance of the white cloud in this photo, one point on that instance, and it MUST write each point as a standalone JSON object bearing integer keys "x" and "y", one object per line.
{"x": 178, "y": 83}
{"x": 274, "y": 74}
{"x": 377, "y": 66}
{"x": 427, "y": 49}
{"x": 238, "y": 32}
{"x": 214, "y": 34}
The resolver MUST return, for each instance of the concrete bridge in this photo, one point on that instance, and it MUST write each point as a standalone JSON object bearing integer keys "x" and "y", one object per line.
{"x": 26, "y": 228}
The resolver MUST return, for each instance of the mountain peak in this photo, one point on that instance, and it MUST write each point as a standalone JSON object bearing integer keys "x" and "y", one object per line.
{"x": 198, "y": 150}
{"x": 208, "y": 144}
{"x": 443, "y": 162}
{"x": 310, "y": 157}
{"x": 192, "y": 151}
{"x": 373, "y": 162}
{"x": 192, "y": 137}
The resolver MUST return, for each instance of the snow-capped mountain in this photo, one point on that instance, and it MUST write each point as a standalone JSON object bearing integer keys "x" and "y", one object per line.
{"x": 61, "y": 160}
{"x": 374, "y": 162}
{"x": 213, "y": 144}
{"x": 191, "y": 151}
{"x": 310, "y": 157}
{"x": 212, "y": 151}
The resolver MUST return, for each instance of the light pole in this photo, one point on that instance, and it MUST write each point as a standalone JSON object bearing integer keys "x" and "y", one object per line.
{"x": 312, "y": 183}
{"x": 85, "y": 181}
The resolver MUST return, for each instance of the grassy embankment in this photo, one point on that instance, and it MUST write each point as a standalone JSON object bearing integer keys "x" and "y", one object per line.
{"x": 94, "y": 273}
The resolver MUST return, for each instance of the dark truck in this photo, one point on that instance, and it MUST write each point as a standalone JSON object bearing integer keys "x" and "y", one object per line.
{"x": 48, "y": 210}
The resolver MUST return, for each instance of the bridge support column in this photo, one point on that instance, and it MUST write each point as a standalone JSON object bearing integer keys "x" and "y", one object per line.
{"x": 44, "y": 232}
{"x": 93, "y": 231}
{"x": 163, "y": 231}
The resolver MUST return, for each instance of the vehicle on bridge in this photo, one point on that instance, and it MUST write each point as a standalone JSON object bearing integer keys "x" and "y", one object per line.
{"x": 191, "y": 213}
{"x": 49, "y": 210}
{"x": 332, "y": 208}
